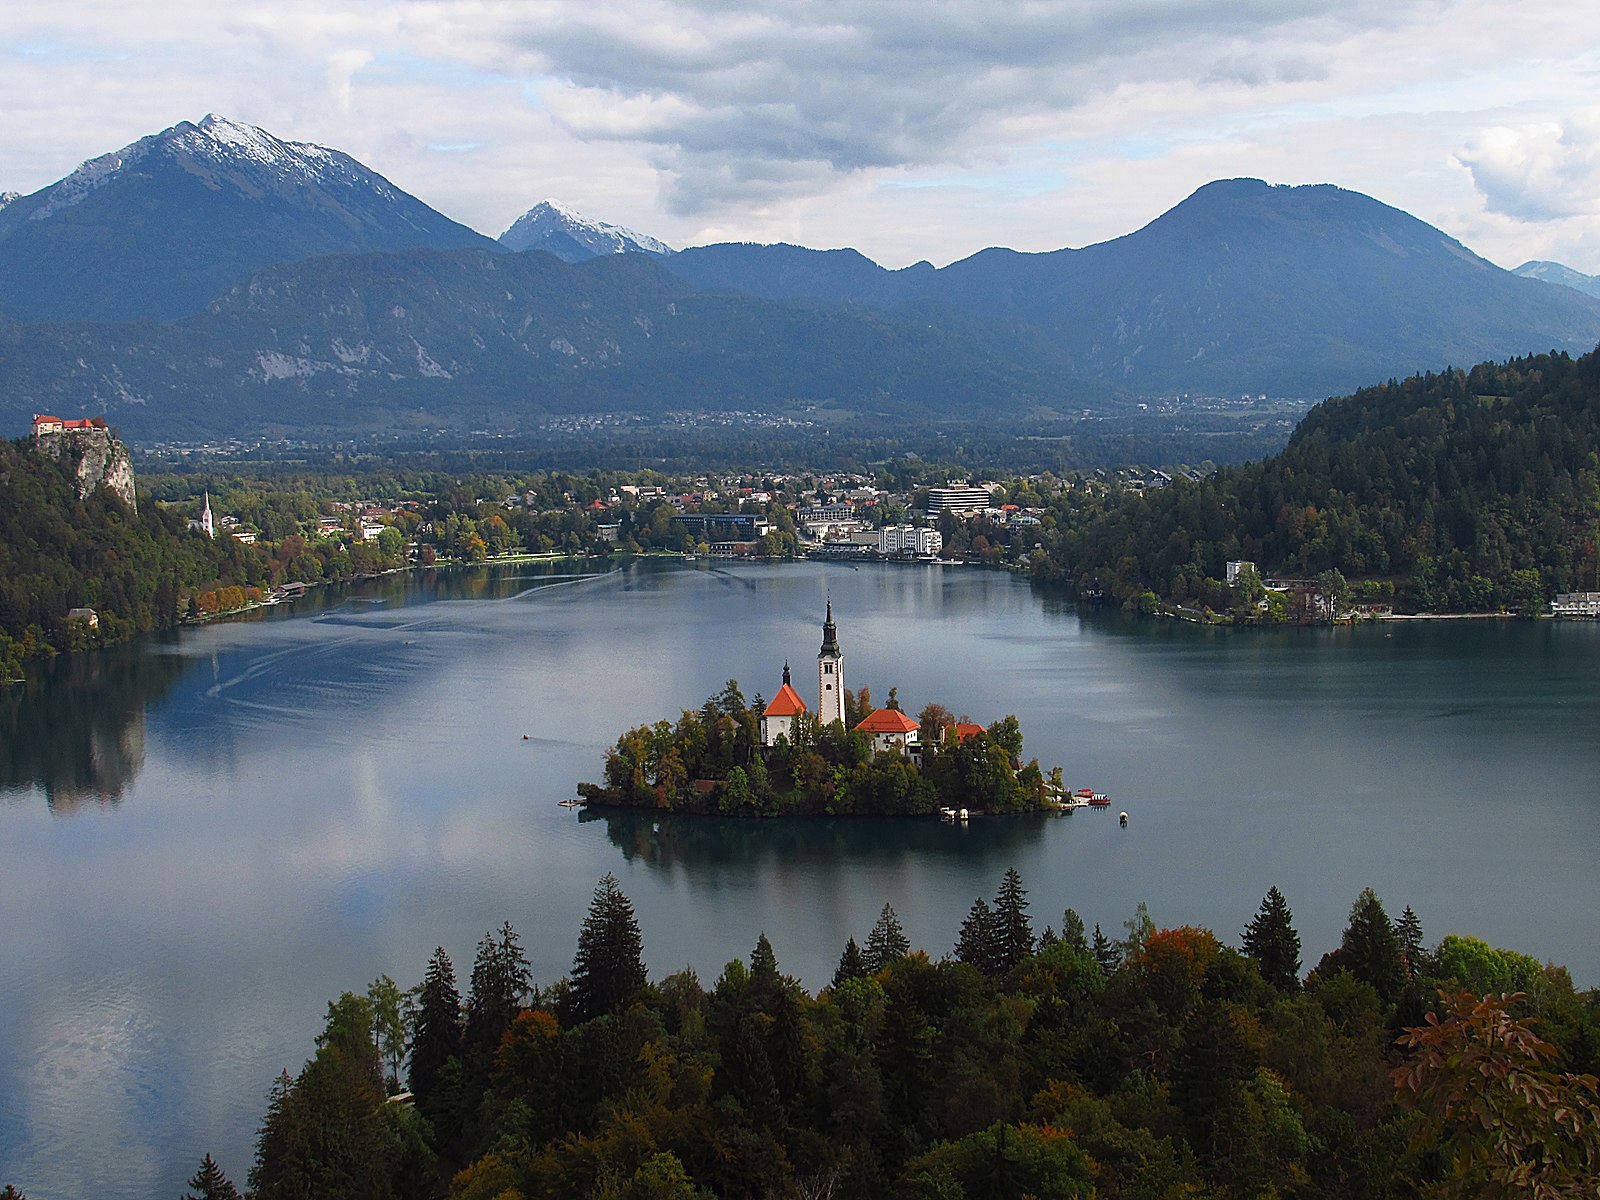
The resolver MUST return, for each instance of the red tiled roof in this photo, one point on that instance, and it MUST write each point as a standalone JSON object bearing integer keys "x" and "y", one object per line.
{"x": 964, "y": 730}
{"x": 887, "y": 720}
{"x": 786, "y": 703}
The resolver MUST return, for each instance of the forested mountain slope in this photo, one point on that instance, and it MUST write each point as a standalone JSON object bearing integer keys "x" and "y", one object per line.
{"x": 1471, "y": 490}
{"x": 1241, "y": 287}
{"x": 467, "y": 339}
{"x": 58, "y": 552}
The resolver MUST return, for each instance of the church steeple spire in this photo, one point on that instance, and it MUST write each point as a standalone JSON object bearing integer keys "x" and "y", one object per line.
{"x": 830, "y": 673}
{"x": 830, "y": 635}
{"x": 786, "y": 673}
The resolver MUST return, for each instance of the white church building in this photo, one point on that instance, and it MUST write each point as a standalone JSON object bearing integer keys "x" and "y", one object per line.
{"x": 890, "y": 729}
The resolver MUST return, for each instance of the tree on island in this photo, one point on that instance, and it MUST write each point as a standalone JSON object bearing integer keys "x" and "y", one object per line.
{"x": 1270, "y": 939}
{"x": 609, "y": 965}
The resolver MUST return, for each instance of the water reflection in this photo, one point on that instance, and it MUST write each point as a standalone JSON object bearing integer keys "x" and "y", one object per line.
{"x": 705, "y": 846}
{"x": 76, "y": 730}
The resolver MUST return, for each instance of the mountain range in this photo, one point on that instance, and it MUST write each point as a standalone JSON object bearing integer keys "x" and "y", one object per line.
{"x": 214, "y": 278}
{"x": 572, "y": 237}
{"x": 159, "y": 228}
{"x": 1553, "y": 272}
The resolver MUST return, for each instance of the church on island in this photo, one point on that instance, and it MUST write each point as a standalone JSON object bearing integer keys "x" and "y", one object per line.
{"x": 889, "y": 729}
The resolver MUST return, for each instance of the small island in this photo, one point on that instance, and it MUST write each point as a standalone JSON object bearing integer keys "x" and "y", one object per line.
{"x": 781, "y": 759}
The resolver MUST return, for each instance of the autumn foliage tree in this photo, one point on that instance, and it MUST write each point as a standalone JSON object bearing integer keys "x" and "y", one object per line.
{"x": 1480, "y": 1086}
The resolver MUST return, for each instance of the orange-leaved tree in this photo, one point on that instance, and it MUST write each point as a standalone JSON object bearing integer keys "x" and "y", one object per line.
{"x": 1483, "y": 1094}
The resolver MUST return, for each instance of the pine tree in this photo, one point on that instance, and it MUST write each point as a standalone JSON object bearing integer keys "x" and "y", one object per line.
{"x": 1270, "y": 939}
{"x": 609, "y": 965}
{"x": 209, "y": 1183}
{"x": 1105, "y": 951}
{"x": 501, "y": 981}
{"x": 437, "y": 1036}
{"x": 887, "y": 942}
{"x": 1013, "y": 933}
{"x": 976, "y": 944}
{"x": 273, "y": 1139}
{"x": 1371, "y": 948}
{"x": 1072, "y": 931}
{"x": 1048, "y": 938}
{"x": 851, "y": 964}
{"x": 1409, "y": 930}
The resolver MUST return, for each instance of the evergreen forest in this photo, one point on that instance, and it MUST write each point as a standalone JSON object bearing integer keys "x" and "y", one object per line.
{"x": 1057, "y": 1062}
{"x": 1464, "y": 491}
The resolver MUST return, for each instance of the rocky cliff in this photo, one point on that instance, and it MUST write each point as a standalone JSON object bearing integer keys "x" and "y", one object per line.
{"x": 98, "y": 458}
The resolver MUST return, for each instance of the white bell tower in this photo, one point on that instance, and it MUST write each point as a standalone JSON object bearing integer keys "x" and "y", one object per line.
{"x": 830, "y": 674}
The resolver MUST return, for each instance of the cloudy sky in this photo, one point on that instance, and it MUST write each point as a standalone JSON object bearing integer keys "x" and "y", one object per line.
{"x": 908, "y": 129}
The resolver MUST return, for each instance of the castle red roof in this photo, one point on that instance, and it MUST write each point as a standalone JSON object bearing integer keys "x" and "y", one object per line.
{"x": 965, "y": 729}
{"x": 786, "y": 703}
{"x": 887, "y": 720}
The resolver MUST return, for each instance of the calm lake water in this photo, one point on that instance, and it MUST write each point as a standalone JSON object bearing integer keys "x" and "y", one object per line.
{"x": 206, "y": 838}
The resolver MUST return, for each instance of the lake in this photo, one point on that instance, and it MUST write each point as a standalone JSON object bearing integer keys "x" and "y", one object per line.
{"x": 205, "y": 838}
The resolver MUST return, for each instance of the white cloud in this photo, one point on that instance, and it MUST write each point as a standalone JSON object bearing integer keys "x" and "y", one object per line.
{"x": 1539, "y": 172}
{"x": 909, "y": 131}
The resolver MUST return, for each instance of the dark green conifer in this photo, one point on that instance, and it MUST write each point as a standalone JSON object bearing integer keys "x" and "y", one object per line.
{"x": 209, "y": 1183}
{"x": 501, "y": 981}
{"x": 1370, "y": 949}
{"x": 978, "y": 939}
{"x": 887, "y": 942}
{"x": 851, "y": 964}
{"x": 438, "y": 1035}
{"x": 1048, "y": 938}
{"x": 1105, "y": 951}
{"x": 1270, "y": 939}
{"x": 1409, "y": 930}
{"x": 1072, "y": 931}
{"x": 1013, "y": 933}
{"x": 609, "y": 965}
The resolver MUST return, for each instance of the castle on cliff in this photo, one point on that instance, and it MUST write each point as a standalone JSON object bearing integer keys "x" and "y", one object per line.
{"x": 100, "y": 457}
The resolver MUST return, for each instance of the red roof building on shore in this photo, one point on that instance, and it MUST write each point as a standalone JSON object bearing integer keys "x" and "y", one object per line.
{"x": 962, "y": 730}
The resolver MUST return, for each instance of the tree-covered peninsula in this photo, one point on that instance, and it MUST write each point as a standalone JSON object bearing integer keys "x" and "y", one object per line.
{"x": 1162, "y": 1064}
{"x": 1466, "y": 491}
{"x": 712, "y": 760}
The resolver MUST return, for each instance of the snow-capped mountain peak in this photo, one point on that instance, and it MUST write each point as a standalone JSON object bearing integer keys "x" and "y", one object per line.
{"x": 568, "y": 234}
{"x": 218, "y": 143}
{"x": 199, "y": 207}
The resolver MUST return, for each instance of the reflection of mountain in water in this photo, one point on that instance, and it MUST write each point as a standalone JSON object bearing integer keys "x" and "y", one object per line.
{"x": 76, "y": 729}
{"x": 670, "y": 841}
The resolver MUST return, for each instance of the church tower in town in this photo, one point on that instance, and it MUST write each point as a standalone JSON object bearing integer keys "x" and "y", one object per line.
{"x": 830, "y": 674}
